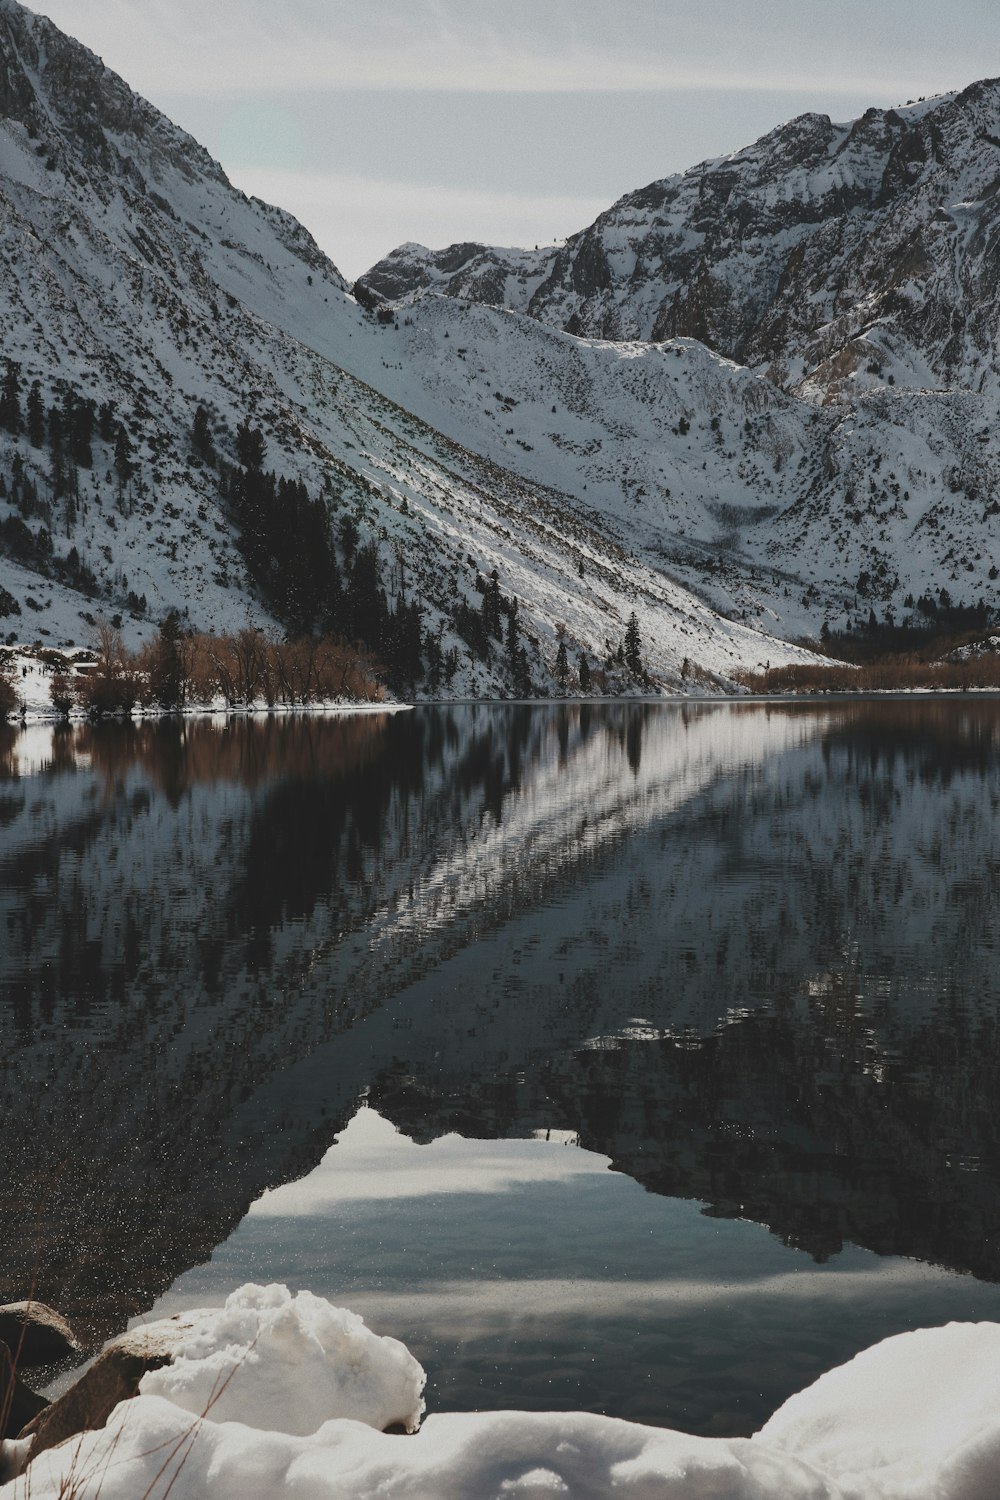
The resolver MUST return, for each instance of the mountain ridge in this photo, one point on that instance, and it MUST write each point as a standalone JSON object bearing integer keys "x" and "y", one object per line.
{"x": 153, "y": 287}
{"x": 733, "y": 511}
{"x": 851, "y": 266}
{"x": 669, "y": 259}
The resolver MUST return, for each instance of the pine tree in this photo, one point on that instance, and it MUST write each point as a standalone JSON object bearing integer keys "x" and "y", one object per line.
{"x": 79, "y": 417}
{"x": 251, "y": 449}
{"x": 57, "y": 452}
{"x": 633, "y": 646}
{"x": 512, "y": 645}
{"x": 123, "y": 459}
{"x": 201, "y": 436}
{"x": 166, "y": 668}
{"x": 36, "y": 416}
{"x": 468, "y": 623}
{"x": 17, "y": 482}
{"x": 403, "y": 646}
{"x": 583, "y": 669}
{"x": 365, "y": 602}
{"x": 10, "y": 398}
{"x": 435, "y": 662}
{"x": 562, "y": 663}
{"x": 490, "y": 607}
{"x": 523, "y": 686}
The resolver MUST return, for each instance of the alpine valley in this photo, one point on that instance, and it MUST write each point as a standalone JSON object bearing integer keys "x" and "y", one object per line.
{"x": 749, "y": 403}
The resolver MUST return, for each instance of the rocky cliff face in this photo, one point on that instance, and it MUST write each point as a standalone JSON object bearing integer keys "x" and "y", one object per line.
{"x": 84, "y": 121}
{"x": 479, "y": 273}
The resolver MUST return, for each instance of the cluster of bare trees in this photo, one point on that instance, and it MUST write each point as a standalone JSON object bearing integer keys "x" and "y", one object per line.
{"x": 244, "y": 670}
{"x": 897, "y": 675}
{"x": 249, "y": 668}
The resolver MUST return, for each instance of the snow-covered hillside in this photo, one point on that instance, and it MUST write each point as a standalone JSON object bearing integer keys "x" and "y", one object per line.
{"x": 135, "y": 277}
{"x": 781, "y": 513}
{"x": 806, "y": 449}
{"x": 848, "y": 460}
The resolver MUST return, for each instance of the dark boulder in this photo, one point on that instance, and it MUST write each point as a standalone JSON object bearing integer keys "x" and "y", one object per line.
{"x": 35, "y": 1334}
{"x": 18, "y": 1405}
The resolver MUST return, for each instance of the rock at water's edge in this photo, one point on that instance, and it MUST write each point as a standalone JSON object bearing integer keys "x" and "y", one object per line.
{"x": 35, "y": 1334}
{"x": 18, "y": 1404}
{"x": 112, "y": 1378}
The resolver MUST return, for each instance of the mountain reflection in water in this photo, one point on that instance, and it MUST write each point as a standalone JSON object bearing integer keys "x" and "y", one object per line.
{"x": 747, "y": 952}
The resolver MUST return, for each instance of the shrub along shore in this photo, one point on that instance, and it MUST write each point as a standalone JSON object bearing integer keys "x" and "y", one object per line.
{"x": 878, "y": 677}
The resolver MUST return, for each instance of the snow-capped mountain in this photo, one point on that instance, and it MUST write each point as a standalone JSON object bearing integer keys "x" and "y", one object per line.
{"x": 805, "y": 447}
{"x": 851, "y": 267}
{"x": 136, "y": 278}
{"x": 813, "y": 253}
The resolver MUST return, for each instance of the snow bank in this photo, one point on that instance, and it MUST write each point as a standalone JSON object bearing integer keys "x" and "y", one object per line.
{"x": 274, "y": 1361}
{"x": 914, "y": 1418}
{"x": 917, "y": 1415}
{"x": 488, "y": 1456}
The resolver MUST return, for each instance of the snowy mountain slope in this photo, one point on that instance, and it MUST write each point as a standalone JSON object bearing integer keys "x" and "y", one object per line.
{"x": 593, "y": 477}
{"x": 135, "y": 276}
{"x": 852, "y": 267}
{"x": 778, "y": 511}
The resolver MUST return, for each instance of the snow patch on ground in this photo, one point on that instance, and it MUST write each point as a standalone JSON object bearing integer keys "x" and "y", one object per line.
{"x": 295, "y": 1389}
{"x": 278, "y": 1362}
{"x": 914, "y": 1416}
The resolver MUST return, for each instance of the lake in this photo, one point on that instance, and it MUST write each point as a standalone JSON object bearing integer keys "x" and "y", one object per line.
{"x": 638, "y": 1058}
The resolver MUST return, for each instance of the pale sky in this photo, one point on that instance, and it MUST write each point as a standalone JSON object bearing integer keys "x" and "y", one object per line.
{"x": 508, "y": 121}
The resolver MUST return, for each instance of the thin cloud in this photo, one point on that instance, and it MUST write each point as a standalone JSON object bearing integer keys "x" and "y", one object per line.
{"x": 589, "y": 46}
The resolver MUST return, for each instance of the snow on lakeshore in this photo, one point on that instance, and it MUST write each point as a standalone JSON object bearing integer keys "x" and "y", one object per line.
{"x": 32, "y": 670}
{"x": 916, "y": 1417}
{"x": 919, "y": 1411}
{"x": 271, "y": 1360}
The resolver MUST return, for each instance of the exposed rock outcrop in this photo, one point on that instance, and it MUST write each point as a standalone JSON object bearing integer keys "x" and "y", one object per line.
{"x": 784, "y": 254}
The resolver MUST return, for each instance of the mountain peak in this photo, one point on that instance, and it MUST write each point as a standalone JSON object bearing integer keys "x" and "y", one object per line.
{"x": 80, "y": 113}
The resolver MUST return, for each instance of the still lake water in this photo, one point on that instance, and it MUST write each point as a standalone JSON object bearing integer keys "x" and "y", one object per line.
{"x": 637, "y": 1058}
